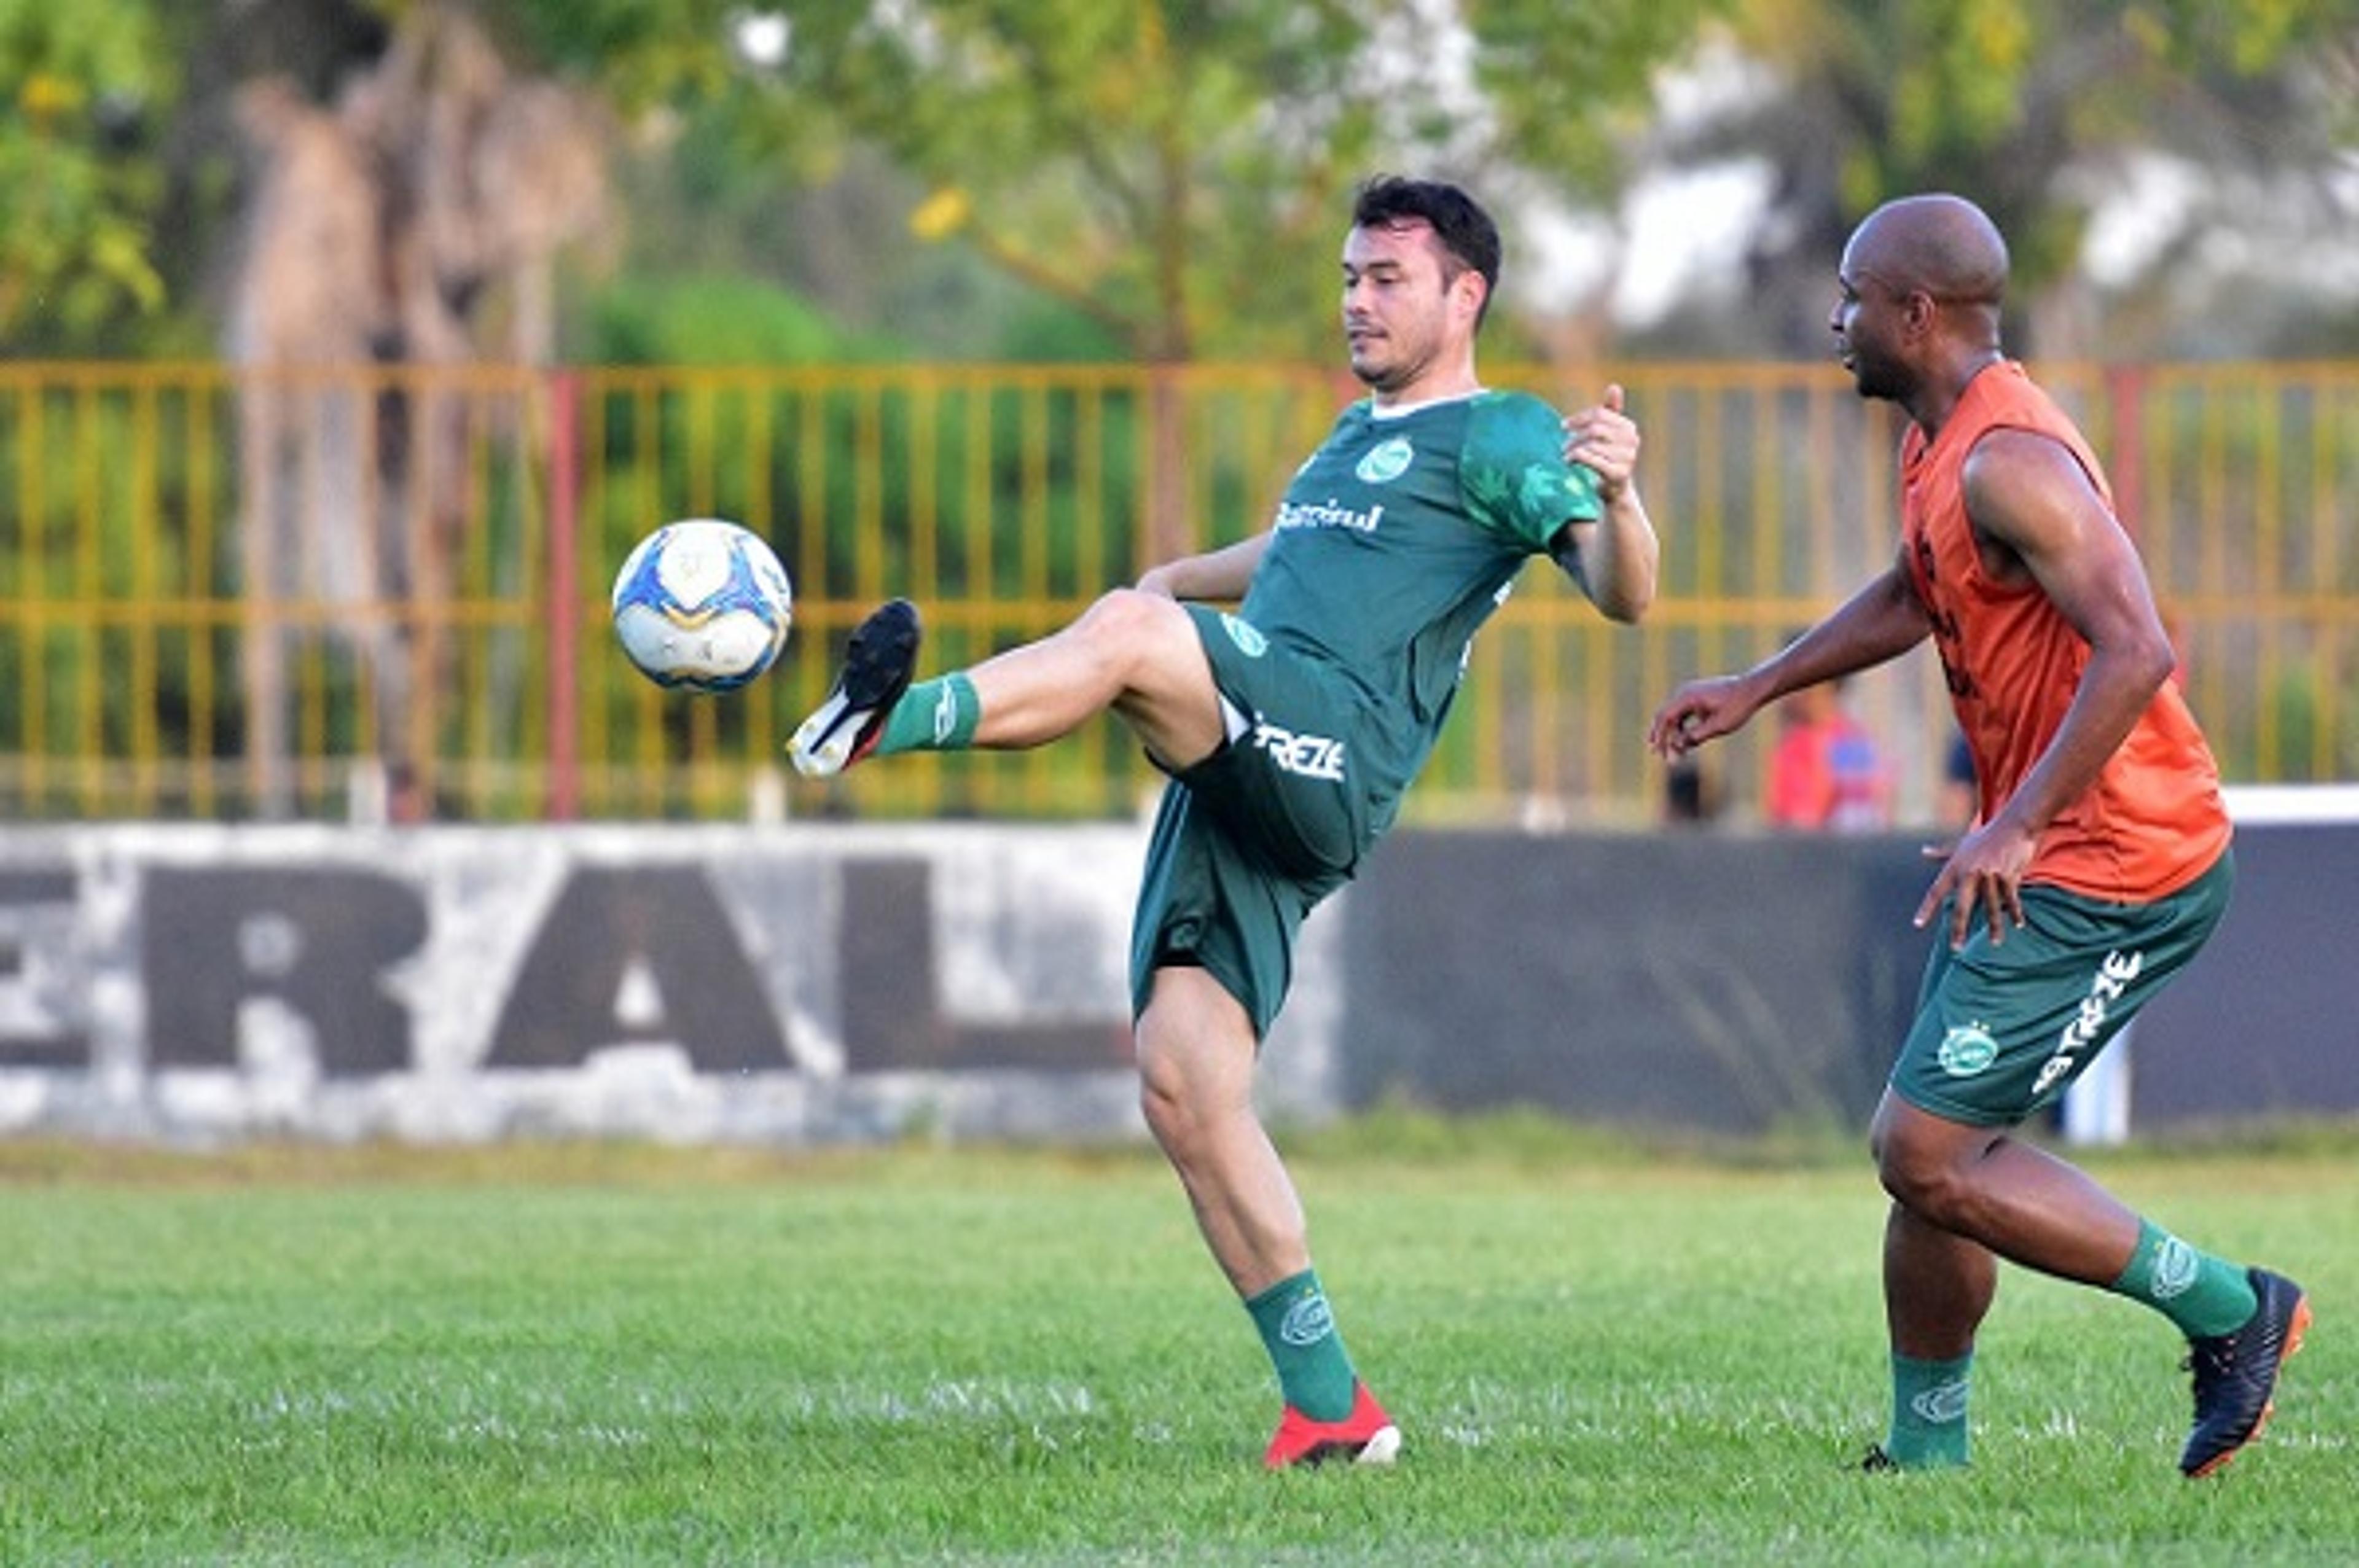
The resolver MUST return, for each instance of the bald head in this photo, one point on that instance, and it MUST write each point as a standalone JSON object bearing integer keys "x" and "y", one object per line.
{"x": 1944, "y": 245}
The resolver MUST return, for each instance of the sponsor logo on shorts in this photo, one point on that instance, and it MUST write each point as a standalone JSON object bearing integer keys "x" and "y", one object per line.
{"x": 1942, "y": 1404}
{"x": 1245, "y": 635}
{"x": 1306, "y": 756}
{"x": 1967, "y": 1050}
{"x": 1308, "y": 1321}
{"x": 2105, "y": 988}
{"x": 1386, "y": 461}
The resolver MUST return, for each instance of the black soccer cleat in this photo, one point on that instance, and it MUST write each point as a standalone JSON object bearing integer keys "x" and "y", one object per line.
{"x": 877, "y": 666}
{"x": 1876, "y": 1462}
{"x": 2236, "y": 1374}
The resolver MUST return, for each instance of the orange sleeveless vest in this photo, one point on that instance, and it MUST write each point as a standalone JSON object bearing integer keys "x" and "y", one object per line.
{"x": 2154, "y": 820}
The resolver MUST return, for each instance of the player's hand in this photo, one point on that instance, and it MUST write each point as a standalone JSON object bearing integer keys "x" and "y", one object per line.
{"x": 1698, "y": 712}
{"x": 1605, "y": 440}
{"x": 1983, "y": 876}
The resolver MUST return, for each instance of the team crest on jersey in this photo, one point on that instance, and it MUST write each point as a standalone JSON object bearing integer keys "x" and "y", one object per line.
{"x": 1245, "y": 635}
{"x": 1386, "y": 461}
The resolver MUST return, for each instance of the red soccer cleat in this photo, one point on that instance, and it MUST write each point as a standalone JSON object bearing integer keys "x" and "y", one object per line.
{"x": 1366, "y": 1436}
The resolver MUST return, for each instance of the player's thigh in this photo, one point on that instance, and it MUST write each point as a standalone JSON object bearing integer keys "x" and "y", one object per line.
{"x": 1295, "y": 788}
{"x": 2004, "y": 1028}
{"x": 1205, "y": 905}
{"x": 1168, "y": 695}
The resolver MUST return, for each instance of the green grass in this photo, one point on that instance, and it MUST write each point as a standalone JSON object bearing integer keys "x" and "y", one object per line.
{"x": 1600, "y": 1354}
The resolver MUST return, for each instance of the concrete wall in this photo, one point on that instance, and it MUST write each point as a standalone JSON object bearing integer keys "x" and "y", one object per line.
{"x": 1737, "y": 982}
{"x": 792, "y": 985}
{"x": 818, "y": 983}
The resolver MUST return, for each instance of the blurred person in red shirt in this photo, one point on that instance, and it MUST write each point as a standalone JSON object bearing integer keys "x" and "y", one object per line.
{"x": 1827, "y": 772}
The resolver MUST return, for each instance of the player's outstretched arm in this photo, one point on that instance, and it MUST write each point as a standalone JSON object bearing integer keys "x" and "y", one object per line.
{"x": 1615, "y": 558}
{"x": 1880, "y": 622}
{"x": 1222, "y": 574}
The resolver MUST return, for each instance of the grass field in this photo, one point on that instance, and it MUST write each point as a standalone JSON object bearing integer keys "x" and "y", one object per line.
{"x": 626, "y": 1356}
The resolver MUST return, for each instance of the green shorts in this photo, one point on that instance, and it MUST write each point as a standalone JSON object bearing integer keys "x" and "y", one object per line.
{"x": 2002, "y": 1028}
{"x": 1247, "y": 841}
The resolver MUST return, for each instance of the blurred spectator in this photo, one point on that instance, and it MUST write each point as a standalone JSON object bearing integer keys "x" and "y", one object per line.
{"x": 1690, "y": 799}
{"x": 1959, "y": 798}
{"x": 1827, "y": 771}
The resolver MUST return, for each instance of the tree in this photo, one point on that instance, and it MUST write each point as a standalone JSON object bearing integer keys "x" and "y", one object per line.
{"x": 2032, "y": 110}
{"x": 1174, "y": 169}
{"x": 1145, "y": 160}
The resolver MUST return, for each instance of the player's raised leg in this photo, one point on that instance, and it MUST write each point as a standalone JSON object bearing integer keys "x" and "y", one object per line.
{"x": 879, "y": 665}
{"x": 1196, "y": 1052}
{"x": 1135, "y": 653}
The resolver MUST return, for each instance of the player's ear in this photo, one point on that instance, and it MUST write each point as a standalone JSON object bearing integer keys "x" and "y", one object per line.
{"x": 1920, "y": 311}
{"x": 1469, "y": 291}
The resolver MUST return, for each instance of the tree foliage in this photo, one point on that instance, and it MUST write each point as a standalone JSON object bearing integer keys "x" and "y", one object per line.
{"x": 1173, "y": 170}
{"x": 2008, "y": 100}
{"x": 1161, "y": 165}
{"x": 74, "y": 191}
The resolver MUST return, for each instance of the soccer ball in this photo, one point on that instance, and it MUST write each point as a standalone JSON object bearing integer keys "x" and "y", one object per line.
{"x": 704, "y": 605}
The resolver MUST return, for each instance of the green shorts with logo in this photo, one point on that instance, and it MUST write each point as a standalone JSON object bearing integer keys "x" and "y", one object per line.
{"x": 2002, "y": 1028}
{"x": 1249, "y": 840}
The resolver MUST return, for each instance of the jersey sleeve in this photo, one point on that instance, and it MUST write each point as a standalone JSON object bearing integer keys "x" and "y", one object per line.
{"x": 1516, "y": 481}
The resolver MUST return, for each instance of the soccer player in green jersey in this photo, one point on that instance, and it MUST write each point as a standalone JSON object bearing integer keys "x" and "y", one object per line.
{"x": 1291, "y": 726}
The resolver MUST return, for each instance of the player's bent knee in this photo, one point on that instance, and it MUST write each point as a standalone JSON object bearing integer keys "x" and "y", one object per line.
{"x": 1163, "y": 1095}
{"x": 1138, "y": 634}
{"x": 1187, "y": 1102}
{"x": 1126, "y": 618}
{"x": 1922, "y": 1178}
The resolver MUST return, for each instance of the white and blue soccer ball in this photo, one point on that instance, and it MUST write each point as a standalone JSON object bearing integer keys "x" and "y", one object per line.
{"x": 704, "y": 605}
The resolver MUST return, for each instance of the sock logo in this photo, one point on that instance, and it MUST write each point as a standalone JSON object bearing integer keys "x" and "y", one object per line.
{"x": 1308, "y": 1321}
{"x": 2174, "y": 1270}
{"x": 1941, "y": 1404}
{"x": 945, "y": 714}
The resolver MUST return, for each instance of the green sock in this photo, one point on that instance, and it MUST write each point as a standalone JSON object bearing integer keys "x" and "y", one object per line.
{"x": 2202, "y": 1294}
{"x": 1299, "y": 1331}
{"x": 1928, "y": 1412}
{"x": 932, "y": 716}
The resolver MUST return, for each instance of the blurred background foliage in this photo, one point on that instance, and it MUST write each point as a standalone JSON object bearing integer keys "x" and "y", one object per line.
{"x": 389, "y": 216}
{"x": 1109, "y": 179}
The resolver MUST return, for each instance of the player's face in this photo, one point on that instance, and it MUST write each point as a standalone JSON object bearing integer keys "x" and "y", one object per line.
{"x": 1401, "y": 319}
{"x": 1866, "y": 320}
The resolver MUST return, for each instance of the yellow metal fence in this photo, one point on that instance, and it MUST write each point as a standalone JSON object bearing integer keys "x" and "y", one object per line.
{"x": 332, "y": 594}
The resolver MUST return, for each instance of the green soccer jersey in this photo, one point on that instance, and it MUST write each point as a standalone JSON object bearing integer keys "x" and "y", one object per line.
{"x": 1397, "y": 539}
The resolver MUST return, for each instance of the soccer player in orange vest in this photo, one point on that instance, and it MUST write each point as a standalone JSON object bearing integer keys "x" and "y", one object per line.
{"x": 2096, "y": 865}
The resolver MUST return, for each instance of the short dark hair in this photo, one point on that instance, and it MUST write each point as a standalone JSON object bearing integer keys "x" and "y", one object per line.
{"x": 1467, "y": 236}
